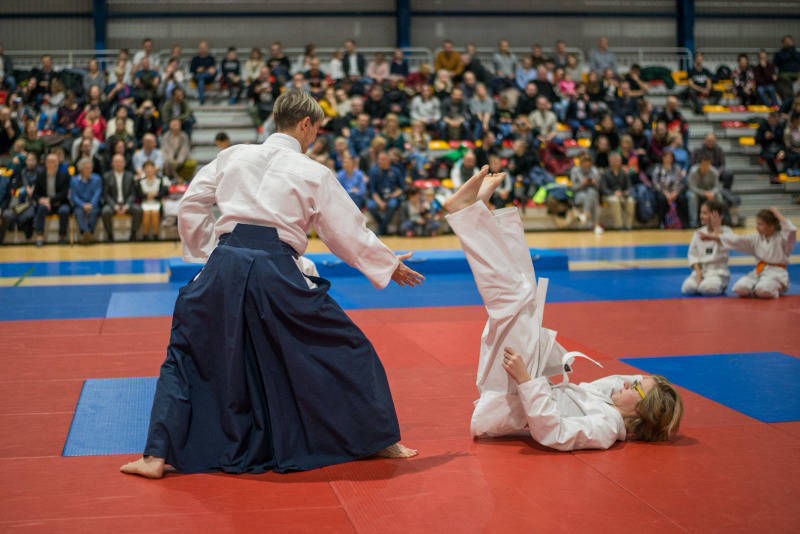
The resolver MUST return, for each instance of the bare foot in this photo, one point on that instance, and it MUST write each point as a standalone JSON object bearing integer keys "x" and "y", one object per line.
{"x": 489, "y": 184}
{"x": 467, "y": 194}
{"x": 398, "y": 450}
{"x": 148, "y": 467}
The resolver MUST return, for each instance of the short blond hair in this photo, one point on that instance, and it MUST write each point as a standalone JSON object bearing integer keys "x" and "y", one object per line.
{"x": 293, "y": 106}
{"x": 658, "y": 415}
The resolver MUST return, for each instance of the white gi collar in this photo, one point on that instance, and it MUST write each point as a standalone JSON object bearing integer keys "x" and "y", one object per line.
{"x": 283, "y": 140}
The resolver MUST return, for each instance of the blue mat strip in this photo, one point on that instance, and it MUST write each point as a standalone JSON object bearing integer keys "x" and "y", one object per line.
{"x": 760, "y": 385}
{"x": 76, "y": 268}
{"x": 112, "y": 417}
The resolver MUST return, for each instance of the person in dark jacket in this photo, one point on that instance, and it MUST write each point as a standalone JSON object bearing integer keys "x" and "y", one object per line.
{"x": 787, "y": 61}
{"x": 52, "y": 198}
{"x": 769, "y": 137}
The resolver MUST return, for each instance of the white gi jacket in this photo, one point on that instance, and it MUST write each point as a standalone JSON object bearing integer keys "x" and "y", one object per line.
{"x": 711, "y": 255}
{"x": 775, "y": 249}
{"x": 274, "y": 184}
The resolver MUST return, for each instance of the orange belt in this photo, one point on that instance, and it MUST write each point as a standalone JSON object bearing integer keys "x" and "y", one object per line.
{"x": 762, "y": 264}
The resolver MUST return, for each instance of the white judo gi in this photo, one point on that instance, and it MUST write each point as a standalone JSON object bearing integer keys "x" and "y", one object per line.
{"x": 277, "y": 185}
{"x": 564, "y": 417}
{"x": 713, "y": 260}
{"x": 770, "y": 278}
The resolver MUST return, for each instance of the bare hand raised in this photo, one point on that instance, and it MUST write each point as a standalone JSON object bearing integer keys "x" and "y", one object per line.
{"x": 403, "y": 276}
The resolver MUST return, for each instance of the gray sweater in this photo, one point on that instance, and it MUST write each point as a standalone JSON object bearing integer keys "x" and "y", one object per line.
{"x": 699, "y": 184}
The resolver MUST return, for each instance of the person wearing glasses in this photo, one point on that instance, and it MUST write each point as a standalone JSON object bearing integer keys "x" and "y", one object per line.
{"x": 517, "y": 355}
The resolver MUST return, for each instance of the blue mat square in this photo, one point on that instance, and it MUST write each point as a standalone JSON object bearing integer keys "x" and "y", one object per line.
{"x": 112, "y": 417}
{"x": 141, "y": 304}
{"x": 763, "y": 386}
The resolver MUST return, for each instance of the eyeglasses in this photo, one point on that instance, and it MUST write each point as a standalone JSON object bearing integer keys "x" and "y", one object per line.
{"x": 638, "y": 387}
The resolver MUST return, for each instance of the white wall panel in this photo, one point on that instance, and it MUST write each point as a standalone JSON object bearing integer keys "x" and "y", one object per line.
{"x": 47, "y": 34}
{"x": 45, "y": 6}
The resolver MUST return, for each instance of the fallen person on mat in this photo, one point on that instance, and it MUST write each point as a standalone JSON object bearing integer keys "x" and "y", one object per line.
{"x": 264, "y": 371}
{"x": 517, "y": 355}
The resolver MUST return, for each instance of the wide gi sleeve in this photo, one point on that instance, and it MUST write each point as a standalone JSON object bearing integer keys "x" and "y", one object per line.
{"x": 195, "y": 219}
{"x": 694, "y": 250}
{"x": 742, "y": 243}
{"x": 342, "y": 227}
{"x": 548, "y": 427}
{"x": 788, "y": 235}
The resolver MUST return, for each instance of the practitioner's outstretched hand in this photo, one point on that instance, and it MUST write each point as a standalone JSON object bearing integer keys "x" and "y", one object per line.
{"x": 707, "y": 236}
{"x": 403, "y": 276}
{"x": 515, "y": 366}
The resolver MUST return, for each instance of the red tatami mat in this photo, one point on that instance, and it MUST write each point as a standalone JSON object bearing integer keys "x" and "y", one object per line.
{"x": 727, "y": 472}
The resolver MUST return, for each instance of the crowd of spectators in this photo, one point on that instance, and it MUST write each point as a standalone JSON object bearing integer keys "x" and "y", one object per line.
{"x": 517, "y": 113}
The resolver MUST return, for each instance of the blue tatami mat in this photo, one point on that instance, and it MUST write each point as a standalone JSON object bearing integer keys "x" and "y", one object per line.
{"x": 760, "y": 385}
{"x": 75, "y": 268}
{"x": 355, "y": 292}
{"x": 112, "y": 417}
{"x": 638, "y": 252}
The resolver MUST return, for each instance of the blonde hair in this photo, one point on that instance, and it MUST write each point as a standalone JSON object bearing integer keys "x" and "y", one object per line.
{"x": 658, "y": 414}
{"x": 293, "y": 106}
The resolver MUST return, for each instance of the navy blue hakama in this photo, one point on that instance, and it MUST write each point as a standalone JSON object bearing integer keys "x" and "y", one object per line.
{"x": 263, "y": 373}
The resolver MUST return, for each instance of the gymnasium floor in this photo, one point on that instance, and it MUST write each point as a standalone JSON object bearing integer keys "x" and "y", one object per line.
{"x": 84, "y": 330}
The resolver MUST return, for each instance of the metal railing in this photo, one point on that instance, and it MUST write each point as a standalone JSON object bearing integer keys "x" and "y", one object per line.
{"x": 486, "y": 54}
{"x": 713, "y": 58}
{"x": 673, "y": 58}
{"x": 62, "y": 59}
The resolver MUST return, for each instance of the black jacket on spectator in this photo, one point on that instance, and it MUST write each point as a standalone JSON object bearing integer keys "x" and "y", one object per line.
{"x": 62, "y": 189}
{"x": 524, "y": 164}
{"x": 716, "y": 154}
{"x": 526, "y": 105}
{"x": 673, "y": 119}
{"x": 376, "y": 109}
{"x": 5, "y": 192}
{"x": 360, "y": 62}
{"x": 611, "y": 183}
{"x": 384, "y": 182}
{"x": 546, "y": 90}
{"x": 626, "y": 107}
{"x": 147, "y": 124}
{"x": 263, "y": 100}
{"x": 40, "y": 76}
{"x": 579, "y": 108}
{"x": 774, "y": 143}
{"x": 6, "y": 138}
{"x": 205, "y": 62}
{"x": 476, "y": 67}
{"x": 130, "y": 189}
{"x": 787, "y": 60}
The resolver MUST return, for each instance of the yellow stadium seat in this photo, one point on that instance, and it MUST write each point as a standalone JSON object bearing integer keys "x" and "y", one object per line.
{"x": 680, "y": 77}
{"x": 747, "y": 141}
{"x": 758, "y": 109}
{"x": 584, "y": 143}
{"x": 438, "y": 145}
{"x": 448, "y": 183}
{"x": 562, "y": 127}
{"x": 722, "y": 86}
{"x": 753, "y": 125}
{"x": 715, "y": 109}
{"x": 563, "y": 180}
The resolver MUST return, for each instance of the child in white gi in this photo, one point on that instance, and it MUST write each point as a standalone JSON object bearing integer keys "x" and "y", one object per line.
{"x": 564, "y": 417}
{"x": 772, "y": 245}
{"x": 708, "y": 259}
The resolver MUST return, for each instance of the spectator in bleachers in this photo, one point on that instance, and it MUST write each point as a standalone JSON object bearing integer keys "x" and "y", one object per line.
{"x": 120, "y": 132}
{"x": 607, "y": 129}
{"x": 625, "y": 107}
{"x": 9, "y": 131}
{"x": 585, "y": 180}
{"x": 316, "y": 78}
{"x": 354, "y": 64}
{"x": 376, "y": 105}
{"x": 578, "y": 113}
{"x": 787, "y": 61}
{"x": 791, "y": 142}
{"x": 464, "y": 169}
{"x": 67, "y": 116}
{"x": 668, "y": 182}
{"x": 204, "y": 70}
{"x": 147, "y": 52}
{"x": 303, "y": 61}
{"x": 385, "y": 190}
{"x": 174, "y": 77}
{"x": 399, "y": 65}
{"x": 38, "y": 86}
{"x": 521, "y": 164}
{"x": 278, "y": 63}
{"x": 560, "y": 56}
{"x": 52, "y": 197}
{"x": 766, "y": 75}
{"x": 86, "y": 134}
{"x": 504, "y": 194}
{"x": 378, "y": 68}
{"x": 147, "y": 121}
{"x": 700, "y": 88}
{"x": 33, "y": 143}
{"x": 91, "y": 118}
{"x": 543, "y": 120}
{"x": 392, "y": 133}
{"x": 601, "y": 58}
{"x": 119, "y": 197}
{"x": 222, "y": 141}
{"x": 94, "y": 76}
{"x": 505, "y": 67}
{"x": 148, "y": 152}
{"x": 253, "y": 66}
{"x": 525, "y": 73}
{"x": 594, "y": 88}
{"x": 263, "y": 94}
{"x": 574, "y": 69}
{"x": 769, "y": 136}
{"x": 481, "y": 107}
{"x": 468, "y": 84}
{"x": 565, "y": 90}
{"x": 361, "y": 136}
{"x": 455, "y": 117}
{"x": 526, "y": 103}
{"x": 336, "y": 67}
{"x": 23, "y": 205}
{"x": 442, "y": 85}
{"x": 340, "y": 151}
{"x": 473, "y": 64}
{"x": 48, "y": 111}
{"x": 703, "y": 184}
{"x": 117, "y": 145}
{"x": 352, "y": 179}
{"x": 638, "y": 87}
{"x": 231, "y": 71}
{"x": 600, "y": 151}
{"x": 744, "y": 81}
{"x": 537, "y": 58}
{"x": 128, "y": 125}
{"x": 175, "y": 148}
{"x": 87, "y": 150}
{"x": 630, "y": 160}
{"x": 178, "y": 108}
{"x": 419, "y": 153}
{"x": 119, "y": 92}
{"x": 641, "y": 141}
{"x": 421, "y": 214}
{"x": 610, "y": 84}
{"x": 448, "y": 59}
{"x": 426, "y": 107}
{"x": 675, "y": 145}
{"x": 659, "y": 141}
{"x": 121, "y": 71}
{"x": 7, "y": 79}
{"x": 672, "y": 116}
{"x": 85, "y": 191}
{"x": 543, "y": 84}
{"x": 711, "y": 148}
{"x": 152, "y": 188}
{"x": 615, "y": 190}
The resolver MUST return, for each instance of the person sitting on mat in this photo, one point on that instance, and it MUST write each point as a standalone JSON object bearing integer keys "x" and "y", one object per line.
{"x": 708, "y": 259}
{"x": 517, "y": 355}
{"x": 772, "y": 245}
{"x": 264, "y": 371}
